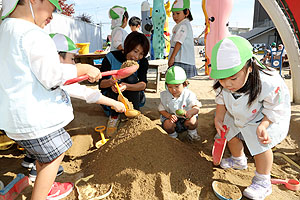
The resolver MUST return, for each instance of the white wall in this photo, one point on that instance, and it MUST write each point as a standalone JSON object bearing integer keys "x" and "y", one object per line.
{"x": 77, "y": 30}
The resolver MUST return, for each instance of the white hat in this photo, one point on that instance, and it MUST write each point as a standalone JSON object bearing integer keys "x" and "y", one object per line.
{"x": 179, "y": 5}
{"x": 7, "y": 7}
{"x": 64, "y": 43}
{"x": 116, "y": 15}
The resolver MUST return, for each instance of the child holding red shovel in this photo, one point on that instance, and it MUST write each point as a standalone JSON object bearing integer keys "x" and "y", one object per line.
{"x": 34, "y": 108}
{"x": 254, "y": 103}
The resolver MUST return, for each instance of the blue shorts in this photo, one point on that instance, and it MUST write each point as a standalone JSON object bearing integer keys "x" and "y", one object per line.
{"x": 49, "y": 147}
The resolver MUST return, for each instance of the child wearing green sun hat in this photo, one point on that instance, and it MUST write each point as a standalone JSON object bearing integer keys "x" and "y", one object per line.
{"x": 175, "y": 99}
{"x": 119, "y": 17}
{"x": 253, "y": 101}
{"x": 67, "y": 49}
{"x": 34, "y": 107}
{"x": 182, "y": 41}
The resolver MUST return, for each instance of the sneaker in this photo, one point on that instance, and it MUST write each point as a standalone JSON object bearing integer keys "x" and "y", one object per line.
{"x": 193, "y": 135}
{"x": 33, "y": 173}
{"x": 60, "y": 190}
{"x": 112, "y": 125}
{"x": 234, "y": 163}
{"x": 28, "y": 162}
{"x": 259, "y": 188}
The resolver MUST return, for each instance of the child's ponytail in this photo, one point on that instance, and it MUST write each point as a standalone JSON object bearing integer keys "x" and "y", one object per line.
{"x": 190, "y": 17}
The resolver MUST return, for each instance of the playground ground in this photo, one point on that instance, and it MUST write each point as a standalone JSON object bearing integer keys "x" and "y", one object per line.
{"x": 144, "y": 163}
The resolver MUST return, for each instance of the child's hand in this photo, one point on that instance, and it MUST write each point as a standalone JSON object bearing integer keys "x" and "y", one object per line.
{"x": 219, "y": 127}
{"x": 263, "y": 135}
{"x": 122, "y": 87}
{"x": 119, "y": 107}
{"x": 171, "y": 61}
{"x": 173, "y": 118}
{"x": 190, "y": 113}
{"x": 94, "y": 74}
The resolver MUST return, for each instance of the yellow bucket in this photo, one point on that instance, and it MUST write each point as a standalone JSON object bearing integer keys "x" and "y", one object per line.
{"x": 84, "y": 48}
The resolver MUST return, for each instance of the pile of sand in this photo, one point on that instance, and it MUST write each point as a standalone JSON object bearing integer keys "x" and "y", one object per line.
{"x": 142, "y": 162}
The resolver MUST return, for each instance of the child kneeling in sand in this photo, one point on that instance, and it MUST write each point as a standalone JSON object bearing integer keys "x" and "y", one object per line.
{"x": 254, "y": 103}
{"x": 179, "y": 97}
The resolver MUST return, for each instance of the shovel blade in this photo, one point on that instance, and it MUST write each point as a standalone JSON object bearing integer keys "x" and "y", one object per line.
{"x": 218, "y": 150}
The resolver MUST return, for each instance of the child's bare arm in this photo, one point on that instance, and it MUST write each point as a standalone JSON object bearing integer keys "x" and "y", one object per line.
{"x": 261, "y": 131}
{"x": 169, "y": 116}
{"x": 118, "y": 106}
{"x": 93, "y": 72}
{"x": 190, "y": 113}
{"x": 219, "y": 118}
{"x": 174, "y": 53}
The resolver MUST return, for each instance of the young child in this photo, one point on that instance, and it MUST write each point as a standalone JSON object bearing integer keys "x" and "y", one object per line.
{"x": 182, "y": 41}
{"x": 67, "y": 50}
{"x": 254, "y": 103}
{"x": 178, "y": 96}
{"x": 119, "y": 17}
{"x": 135, "y": 23}
{"x": 33, "y": 107}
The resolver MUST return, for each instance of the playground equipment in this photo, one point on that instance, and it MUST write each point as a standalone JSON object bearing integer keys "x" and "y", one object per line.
{"x": 166, "y": 27}
{"x": 276, "y": 59}
{"x": 287, "y": 34}
{"x": 158, "y": 18}
{"x": 218, "y": 12}
{"x": 146, "y": 20}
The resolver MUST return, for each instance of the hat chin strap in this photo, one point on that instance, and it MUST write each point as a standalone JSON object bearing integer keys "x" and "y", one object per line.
{"x": 32, "y": 13}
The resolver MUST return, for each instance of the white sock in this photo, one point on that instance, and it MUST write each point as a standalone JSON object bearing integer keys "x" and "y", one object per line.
{"x": 239, "y": 158}
{"x": 263, "y": 176}
{"x": 192, "y": 132}
{"x": 174, "y": 135}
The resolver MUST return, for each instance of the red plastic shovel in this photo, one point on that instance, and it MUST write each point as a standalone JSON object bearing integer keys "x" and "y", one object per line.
{"x": 290, "y": 184}
{"x": 118, "y": 74}
{"x": 219, "y": 147}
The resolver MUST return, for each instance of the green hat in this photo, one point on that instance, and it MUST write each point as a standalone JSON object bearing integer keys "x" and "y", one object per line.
{"x": 56, "y": 4}
{"x": 229, "y": 56}
{"x": 179, "y": 5}
{"x": 64, "y": 43}
{"x": 8, "y": 6}
{"x": 175, "y": 75}
{"x": 116, "y": 12}
{"x": 273, "y": 44}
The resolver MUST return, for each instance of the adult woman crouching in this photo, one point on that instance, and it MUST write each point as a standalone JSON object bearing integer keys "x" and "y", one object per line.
{"x": 136, "y": 47}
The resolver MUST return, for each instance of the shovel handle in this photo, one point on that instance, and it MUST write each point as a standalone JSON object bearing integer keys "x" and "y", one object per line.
{"x": 223, "y": 132}
{"x": 86, "y": 77}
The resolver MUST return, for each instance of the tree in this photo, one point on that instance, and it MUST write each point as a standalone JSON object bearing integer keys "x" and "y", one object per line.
{"x": 67, "y": 9}
{"x": 85, "y": 17}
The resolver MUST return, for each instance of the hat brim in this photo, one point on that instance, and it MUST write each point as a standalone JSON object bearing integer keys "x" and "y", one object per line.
{"x": 8, "y": 7}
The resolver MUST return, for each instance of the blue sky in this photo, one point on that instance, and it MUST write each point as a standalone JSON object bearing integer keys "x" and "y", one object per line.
{"x": 241, "y": 16}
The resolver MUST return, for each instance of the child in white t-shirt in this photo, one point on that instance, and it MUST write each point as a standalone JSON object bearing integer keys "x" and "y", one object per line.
{"x": 178, "y": 98}
{"x": 119, "y": 17}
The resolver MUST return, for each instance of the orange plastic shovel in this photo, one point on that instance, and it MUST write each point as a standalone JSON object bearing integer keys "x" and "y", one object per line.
{"x": 118, "y": 74}
{"x": 219, "y": 147}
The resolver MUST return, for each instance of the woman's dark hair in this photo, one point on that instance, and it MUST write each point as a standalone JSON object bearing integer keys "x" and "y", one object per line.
{"x": 190, "y": 17}
{"x": 134, "y": 21}
{"x": 133, "y": 40}
{"x": 253, "y": 83}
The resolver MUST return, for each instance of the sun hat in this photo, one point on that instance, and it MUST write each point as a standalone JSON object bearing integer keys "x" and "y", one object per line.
{"x": 8, "y": 6}
{"x": 116, "y": 15}
{"x": 179, "y": 5}
{"x": 64, "y": 43}
{"x": 229, "y": 56}
{"x": 175, "y": 75}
